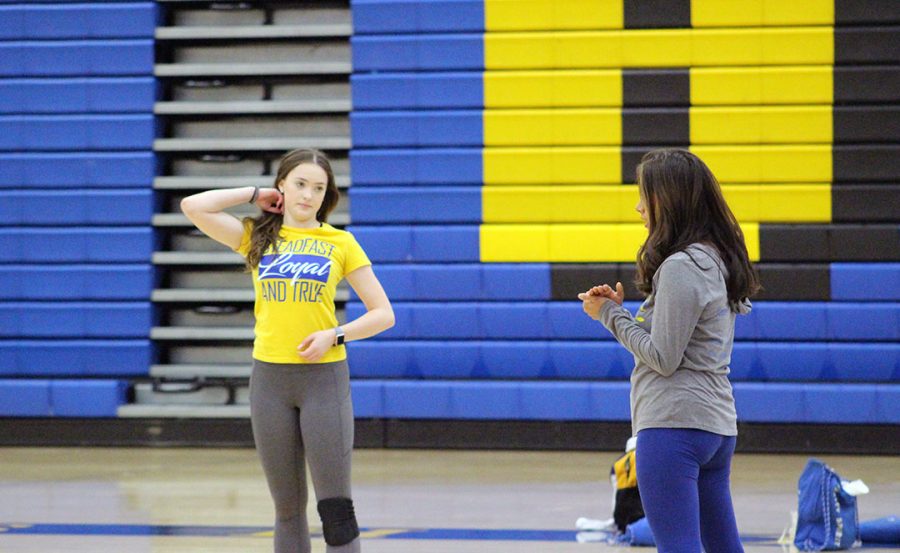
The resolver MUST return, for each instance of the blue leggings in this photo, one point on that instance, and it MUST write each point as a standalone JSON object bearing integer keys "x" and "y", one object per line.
{"x": 683, "y": 475}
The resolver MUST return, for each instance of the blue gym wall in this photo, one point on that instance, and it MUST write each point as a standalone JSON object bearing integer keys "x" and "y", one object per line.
{"x": 76, "y": 170}
{"x": 480, "y": 338}
{"x": 476, "y": 338}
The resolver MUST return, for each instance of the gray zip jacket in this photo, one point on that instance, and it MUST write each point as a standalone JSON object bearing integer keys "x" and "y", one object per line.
{"x": 681, "y": 339}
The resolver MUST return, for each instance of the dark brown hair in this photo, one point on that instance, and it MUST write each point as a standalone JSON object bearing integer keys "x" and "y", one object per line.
{"x": 684, "y": 205}
{"x": 266, "y": 226}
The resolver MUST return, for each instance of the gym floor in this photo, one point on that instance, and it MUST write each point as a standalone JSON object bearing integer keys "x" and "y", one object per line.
{"x": 104, "y": 500}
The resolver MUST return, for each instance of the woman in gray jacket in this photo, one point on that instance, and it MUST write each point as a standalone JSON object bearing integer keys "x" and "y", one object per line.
{"x": 695, "y": 271}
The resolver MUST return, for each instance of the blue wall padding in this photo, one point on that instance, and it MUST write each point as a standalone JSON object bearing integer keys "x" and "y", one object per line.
{"x": 76, "y": 58}
{"x": 405, "y": 129}
{"x": 436, "y": 204}
{"x": 842, "y": 322}
{"x": 98, "y": 95}
{"x": 413, "y": 90}
{"x": 76, "y": 244}
{"x": 506, "y": 400}
{"x": 804, "y": 361}
{"x": 783, "y": 321}
{"x": 865, "y": 281}
{"x": 431, "y": 359}
{"x": 818, "y": 403}
{"x": 503, "y": 400}
{"x": 25, "y": 398}
{"x": 488, "y": 321}
{"x": 64, "y": 398}
{"x": 76, "y": 282}
{"x": 75, "y": 357}
{"x": 368, "y": 398}
{"x": 416, "y": 167}
{"x": 404, "y": 16}
{"x": 609, "y": 401}
{"x": 769, "y": 321}
{"x": 421, "y": 244}
{"x": 77, "y": 132}
{"x": 469, "y": 400}
{"x": 532, "y": 282}
{"x": 452, "y": 357}
{"x": 70, "y": 207}
{"x": 864, "y": 321}
{"x": 465, "y": 281}
{"x": 76, "y": 320}
{"x": 86, "y": 398}
{"x": 77, "y": 169}
{"x": 119, "y": 20}
{"x": 418, "y": 52}
{"x": 420, "y": 400}
{"x": 771, "y": 402}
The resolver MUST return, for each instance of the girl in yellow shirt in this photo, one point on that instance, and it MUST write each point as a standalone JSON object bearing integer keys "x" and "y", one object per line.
{"x": 300, "y": 386}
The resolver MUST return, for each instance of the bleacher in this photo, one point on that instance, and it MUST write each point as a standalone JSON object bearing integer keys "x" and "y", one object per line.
{"x": 494, "y": 146}
{"x": 76, "y": 163}
{"x": 491, "y": 148}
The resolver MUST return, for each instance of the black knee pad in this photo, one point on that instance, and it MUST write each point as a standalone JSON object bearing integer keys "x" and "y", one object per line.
{"x": 338, "y": 520}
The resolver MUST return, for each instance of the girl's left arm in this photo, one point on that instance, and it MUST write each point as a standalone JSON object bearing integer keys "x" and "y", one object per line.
{"x": 379, "y": 315}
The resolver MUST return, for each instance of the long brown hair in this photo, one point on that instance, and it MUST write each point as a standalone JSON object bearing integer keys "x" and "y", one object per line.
{"x": 266, "y": 226}
{"x": 684, "y": 205}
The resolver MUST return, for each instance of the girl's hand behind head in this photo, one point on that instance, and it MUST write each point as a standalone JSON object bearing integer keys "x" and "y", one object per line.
{"x": 271, "y": 200}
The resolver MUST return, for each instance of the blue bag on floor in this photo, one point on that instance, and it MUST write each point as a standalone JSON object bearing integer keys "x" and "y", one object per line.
{"x": 827, "y": 518}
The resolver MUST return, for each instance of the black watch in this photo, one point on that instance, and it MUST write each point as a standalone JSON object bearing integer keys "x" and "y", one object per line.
{"x": 338, "y": 336}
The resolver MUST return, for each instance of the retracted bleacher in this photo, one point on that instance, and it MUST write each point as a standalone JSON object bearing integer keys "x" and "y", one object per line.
{"x": 494, "y": 147}
{"x": 76, "y": 132}
{"x": 491, "y": 147}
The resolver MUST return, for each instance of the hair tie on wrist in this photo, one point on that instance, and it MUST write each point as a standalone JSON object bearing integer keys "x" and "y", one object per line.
{"x": 254, "y": 196}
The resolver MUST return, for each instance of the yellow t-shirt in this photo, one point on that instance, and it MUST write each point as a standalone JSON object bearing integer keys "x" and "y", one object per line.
{"x": 295, "y": 284}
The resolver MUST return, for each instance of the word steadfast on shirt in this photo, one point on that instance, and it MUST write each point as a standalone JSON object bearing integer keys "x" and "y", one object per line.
{"x": 306, "y": 245}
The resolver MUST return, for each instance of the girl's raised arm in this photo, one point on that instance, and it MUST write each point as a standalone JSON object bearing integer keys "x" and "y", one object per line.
{"x": 206, "y": 211}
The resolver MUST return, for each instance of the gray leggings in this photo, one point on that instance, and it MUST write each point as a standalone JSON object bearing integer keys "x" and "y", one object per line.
{"x": 302, "y": 413}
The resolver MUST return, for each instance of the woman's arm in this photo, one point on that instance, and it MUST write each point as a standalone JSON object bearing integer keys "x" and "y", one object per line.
{"x": 206, "y": 211}
{"x": 676, "y": 311}
{"x": 379, "y": 316}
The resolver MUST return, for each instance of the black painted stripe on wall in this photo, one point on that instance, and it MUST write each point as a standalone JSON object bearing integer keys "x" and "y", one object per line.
{"x": 870, "y": 163}
{"x": 656, "y": 126}
{"x": 867, "y": 45}
{"x": 857, "y": 12}
{"x": 644, "y": 122}
{"x": 671, "y": 126}
{"x": 866, "y": 124}
{"x": 865, "y": 203}
{"x": 567, "y": 280}
{"x": 672, "y": 87}
{"x": 781, "y": 281}
{"x": 794, "y": 282}
{"x": 656, "y": 87}
{"x": 829, "y": 242}
{"x": 850, "y": 163}
{"x": 657, "y": 14}
{"x": 876, "y": 84}
{"x": 630, "y": 159}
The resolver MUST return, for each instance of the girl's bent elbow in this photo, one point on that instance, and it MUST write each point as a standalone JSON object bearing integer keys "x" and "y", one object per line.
{"x": 668, "y": 369}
